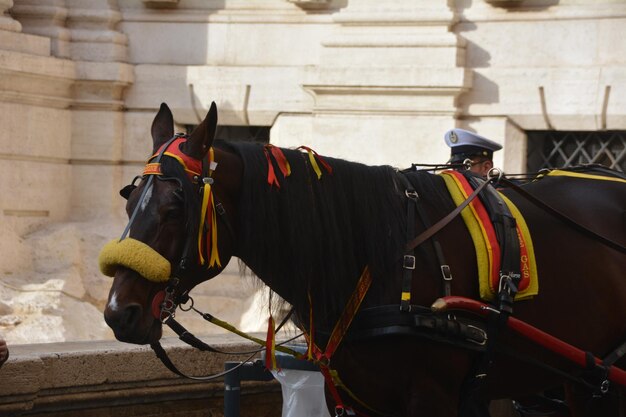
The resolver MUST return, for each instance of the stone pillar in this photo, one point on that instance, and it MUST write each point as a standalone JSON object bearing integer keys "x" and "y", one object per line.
{"x": 386, "y": 86}
{"x": 100, "y": 53}
{"x": 45, "y": 18}
{"x": 35, "y": 93}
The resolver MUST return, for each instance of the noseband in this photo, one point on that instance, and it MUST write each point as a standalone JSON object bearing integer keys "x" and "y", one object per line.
{"x": 146, "y": 261}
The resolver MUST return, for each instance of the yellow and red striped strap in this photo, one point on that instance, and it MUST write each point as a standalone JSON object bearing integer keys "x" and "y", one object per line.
{"x": 348, "y": 314}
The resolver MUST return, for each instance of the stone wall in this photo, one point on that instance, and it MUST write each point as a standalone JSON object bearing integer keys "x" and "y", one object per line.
{"x": 107, "y": 379}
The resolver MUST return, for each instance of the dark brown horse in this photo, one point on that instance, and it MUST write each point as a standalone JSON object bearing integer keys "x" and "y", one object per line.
{"x": 309, "y": 238}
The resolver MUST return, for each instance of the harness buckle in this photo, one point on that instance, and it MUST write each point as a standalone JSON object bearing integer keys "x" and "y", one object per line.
{"x": 412, "y": 194}
{"x": 341, "y": 411}
{"x": 409, "y": 262}
{"x": 479, "y": 331}
{"x": 446, "y": 272}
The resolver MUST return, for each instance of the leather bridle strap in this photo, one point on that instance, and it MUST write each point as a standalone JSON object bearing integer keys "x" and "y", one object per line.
{"x": 147, "y": 187}
{"x": 435, "y": 228}
{"x": 162, "y": 355}
{"x": 554, "y": 212}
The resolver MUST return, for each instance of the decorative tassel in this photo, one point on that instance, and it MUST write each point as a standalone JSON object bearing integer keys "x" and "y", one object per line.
{"x": 270, "y": 345}
{"x": 309, "y": 353}
{"x": 314, "y": 158}
{"x": 208, "y": 212}
{"x": 215, "y": 256}
{"x": 206, "y": 196}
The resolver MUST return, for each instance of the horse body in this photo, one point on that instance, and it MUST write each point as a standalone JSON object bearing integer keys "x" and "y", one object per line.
{"x": 309, "y": 238}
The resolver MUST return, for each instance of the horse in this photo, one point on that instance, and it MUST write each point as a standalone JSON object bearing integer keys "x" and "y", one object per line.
{"x": 308, "y": 226}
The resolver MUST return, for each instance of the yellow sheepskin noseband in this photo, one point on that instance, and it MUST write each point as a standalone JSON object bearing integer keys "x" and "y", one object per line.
{"x": 134, "y": 255}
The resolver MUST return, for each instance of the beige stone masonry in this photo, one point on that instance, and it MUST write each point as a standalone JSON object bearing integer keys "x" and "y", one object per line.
{"x": 386, "y": 67}
{"x": 6, "y": 21}
{"x": 34, "y": 79}
{"x": 47, "y": 19}
{"x": 112, "y": 379}
{"x": 21, "y": 42}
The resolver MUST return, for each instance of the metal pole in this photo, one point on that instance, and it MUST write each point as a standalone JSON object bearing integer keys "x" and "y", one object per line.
{"x": 232, "y": 390}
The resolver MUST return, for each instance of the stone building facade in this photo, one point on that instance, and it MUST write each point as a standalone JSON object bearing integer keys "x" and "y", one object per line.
{"x": 367, "y": 80}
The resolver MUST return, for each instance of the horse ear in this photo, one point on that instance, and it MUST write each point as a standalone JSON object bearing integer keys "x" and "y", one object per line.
{"x": 202, "y": 137}
{"x": 162, "y": 127}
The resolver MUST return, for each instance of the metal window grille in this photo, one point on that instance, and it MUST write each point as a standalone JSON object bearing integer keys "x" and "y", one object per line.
{"x": 551, "y": 149}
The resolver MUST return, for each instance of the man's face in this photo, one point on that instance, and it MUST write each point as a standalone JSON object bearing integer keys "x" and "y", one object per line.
{"x": 481, "y": 167}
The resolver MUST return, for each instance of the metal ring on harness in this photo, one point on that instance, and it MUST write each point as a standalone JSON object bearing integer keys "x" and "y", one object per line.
{"x": 495, "y": 173}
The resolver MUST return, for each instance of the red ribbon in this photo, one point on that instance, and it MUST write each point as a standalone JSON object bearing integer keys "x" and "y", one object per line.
{"x": 281, "y": 161}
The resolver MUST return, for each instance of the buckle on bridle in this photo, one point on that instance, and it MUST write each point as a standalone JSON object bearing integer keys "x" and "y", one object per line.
{"x": 409, "y": 262}
{"x": 168, "y": 306}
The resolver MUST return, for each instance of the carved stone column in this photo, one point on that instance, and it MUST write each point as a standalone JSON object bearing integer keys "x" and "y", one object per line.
{"x": 45, "y": 18}
{"x": 100, "y": 53}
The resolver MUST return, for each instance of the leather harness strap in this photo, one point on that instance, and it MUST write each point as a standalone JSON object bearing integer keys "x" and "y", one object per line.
{"x": 434, "y": 229}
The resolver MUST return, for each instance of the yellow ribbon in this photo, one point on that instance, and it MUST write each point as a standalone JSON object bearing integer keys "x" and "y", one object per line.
{"x": 316, "y": 167}
{"x": 215, "y": 257}
{"x": 207, "y": 198}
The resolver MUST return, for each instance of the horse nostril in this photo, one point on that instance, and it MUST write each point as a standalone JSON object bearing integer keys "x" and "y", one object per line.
{"x": 123, "y": 319}
{"x": 131, "y": 315}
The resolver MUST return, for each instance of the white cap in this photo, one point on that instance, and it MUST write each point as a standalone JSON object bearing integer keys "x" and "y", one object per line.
{"x": 465, "y": 144}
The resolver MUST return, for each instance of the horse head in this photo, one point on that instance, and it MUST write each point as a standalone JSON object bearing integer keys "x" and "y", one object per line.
{"x": 185, "y": 199}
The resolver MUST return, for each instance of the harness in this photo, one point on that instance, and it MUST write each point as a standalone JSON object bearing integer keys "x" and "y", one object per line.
{"x": 200, "y": 252}
{"x": 437, "y": 323}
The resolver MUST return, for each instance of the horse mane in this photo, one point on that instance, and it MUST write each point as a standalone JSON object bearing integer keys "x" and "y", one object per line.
{"x": 316, "y": 235}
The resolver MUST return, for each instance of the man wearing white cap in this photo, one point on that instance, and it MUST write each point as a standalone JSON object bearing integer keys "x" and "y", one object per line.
{"x": 465, "y": 145}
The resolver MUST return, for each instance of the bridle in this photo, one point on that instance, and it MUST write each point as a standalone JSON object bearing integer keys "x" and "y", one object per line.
{"x": 193, "y": 260}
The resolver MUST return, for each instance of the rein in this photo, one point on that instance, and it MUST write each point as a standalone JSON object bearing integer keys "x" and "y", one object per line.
{"x": 559, "y": 215}
{"x": 435, "y": 228}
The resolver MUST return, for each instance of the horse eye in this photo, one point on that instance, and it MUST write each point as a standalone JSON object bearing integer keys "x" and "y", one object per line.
{"x": 173, "y": 213}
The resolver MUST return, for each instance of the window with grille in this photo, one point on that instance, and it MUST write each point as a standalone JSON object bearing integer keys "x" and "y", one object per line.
{"x": 551, "y": 149}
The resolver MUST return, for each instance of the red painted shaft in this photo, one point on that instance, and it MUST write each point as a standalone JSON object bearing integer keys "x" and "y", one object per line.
{"x": 540, "y": 337}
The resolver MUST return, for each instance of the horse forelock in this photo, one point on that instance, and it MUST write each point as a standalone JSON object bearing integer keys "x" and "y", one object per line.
{"x": 318, "y": 234}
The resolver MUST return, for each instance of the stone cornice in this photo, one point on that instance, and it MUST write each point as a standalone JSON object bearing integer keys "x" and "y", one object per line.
{"x": 357, "y": 90}
{"x": 37, "y": 65}
{"x": 268, "y": 17}
{"x": 486, "y": 13}
{"x": 403, "y": 40}
{"x": 396, "y": 13}
{"x": 423, "y": 78}
{"x": 36, "y": 80}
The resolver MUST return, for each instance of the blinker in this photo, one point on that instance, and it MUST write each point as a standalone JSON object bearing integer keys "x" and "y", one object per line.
{"x": 125, "y": 192}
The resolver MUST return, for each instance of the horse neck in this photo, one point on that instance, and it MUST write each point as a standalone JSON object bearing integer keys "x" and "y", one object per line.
{"x": 314, "y": 236}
